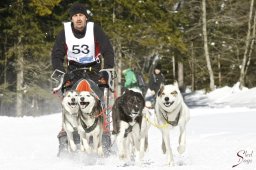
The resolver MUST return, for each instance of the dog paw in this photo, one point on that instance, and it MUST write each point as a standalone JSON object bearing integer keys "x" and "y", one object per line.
{"x": 82, "y": 148}
{"x": 181, "y": 149}
{"x": 171, "y": 163}
{"x": 88, "y": 150}
{"x": 73, "y": 147}
{"x": 100, "y": 153}
{"x": 122, "y": 156}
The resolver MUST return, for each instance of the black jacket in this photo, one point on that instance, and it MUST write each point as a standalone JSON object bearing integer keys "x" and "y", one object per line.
{"x": 59, "y": 49}
{"x": 155, "y": 81}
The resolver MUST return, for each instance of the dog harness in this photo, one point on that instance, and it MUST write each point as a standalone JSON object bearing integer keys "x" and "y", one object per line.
{"x": 91, "y": 128}
{"x": 66, "y": 119}
{"x": 128, "y": 130}
{"x": 173, "y": 123}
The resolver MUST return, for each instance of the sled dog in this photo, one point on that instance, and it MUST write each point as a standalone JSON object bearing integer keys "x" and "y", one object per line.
{"x": 70, "y": 110}
{"x": 170, "y": 109}
{"x": 127, "y": 121}
{"x": 90, "y": 123}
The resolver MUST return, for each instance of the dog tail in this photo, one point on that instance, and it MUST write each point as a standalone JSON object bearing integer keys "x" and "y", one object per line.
{"x": 163, "y": 146}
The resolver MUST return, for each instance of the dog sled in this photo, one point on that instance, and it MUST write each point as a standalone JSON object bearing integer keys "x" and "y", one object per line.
{"x": 104, "y": 92}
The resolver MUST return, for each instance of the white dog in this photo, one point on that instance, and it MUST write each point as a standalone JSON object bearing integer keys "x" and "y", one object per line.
{"x": 70, "y": 110}
{"x": 170, "y": 109}
{"x": 90, "y": 123}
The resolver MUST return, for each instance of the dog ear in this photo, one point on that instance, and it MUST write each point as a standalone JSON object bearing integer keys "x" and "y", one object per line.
{"x": 127, "y": 91}
{"x": 160, "y": 90}
{"x": 97, "y": 107}
{"x": 175, "y": 83}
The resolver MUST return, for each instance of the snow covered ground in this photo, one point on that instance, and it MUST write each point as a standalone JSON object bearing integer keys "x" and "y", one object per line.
{"x": 220, "y": 134}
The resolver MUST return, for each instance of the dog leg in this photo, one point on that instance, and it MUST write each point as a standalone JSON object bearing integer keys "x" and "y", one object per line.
{"x": 71, "y": 141}
{"x": 144, "y": 138}
{"x": 100, "y": 146}
{"x": 120, "y": 146}
{"x": 122, "y": 142}
{"x": 182, "y": 140}
{"x": 166, "y": 140}
{"x": 136, "y": 141}
{"x": 82, "y": 136}
{"x": 97, "y": 145}
{"x": 86, "y": 145}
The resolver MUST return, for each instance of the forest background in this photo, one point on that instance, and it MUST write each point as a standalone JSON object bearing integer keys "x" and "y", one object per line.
{"x": 202, "y": 44}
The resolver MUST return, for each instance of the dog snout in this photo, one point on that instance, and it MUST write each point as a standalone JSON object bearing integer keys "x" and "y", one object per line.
{"x": 73, "y": 100}
{"x": 166, "y": 99}
{"x": 82, "y": 99}
{"x": 136, "y": 108}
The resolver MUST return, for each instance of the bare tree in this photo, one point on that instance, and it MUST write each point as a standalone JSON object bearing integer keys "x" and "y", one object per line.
{"x": 246, "y": 61}
{"x": 208, "y": 61}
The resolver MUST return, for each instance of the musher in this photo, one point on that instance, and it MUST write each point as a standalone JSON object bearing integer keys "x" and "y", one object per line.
{"x": 82, "y": 43}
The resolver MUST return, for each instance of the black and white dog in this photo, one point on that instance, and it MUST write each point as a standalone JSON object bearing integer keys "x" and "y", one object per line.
{"x": 127, "y": 120}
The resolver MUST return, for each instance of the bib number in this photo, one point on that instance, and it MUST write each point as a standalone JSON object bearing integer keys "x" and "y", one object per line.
{"x": 76, "y": 49}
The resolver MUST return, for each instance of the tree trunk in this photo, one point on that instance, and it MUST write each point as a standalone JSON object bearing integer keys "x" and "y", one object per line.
{"x": 192, "y": 67}
{"x": 181, "y": 76}
{"x": 247, "y": 46}
{"x": 252, "y": 43}
{"x": 20, "y": 81}
{"x": 219, "y": 68}
{"x": 208, "y": 61}
{"x": 173, "y": 68}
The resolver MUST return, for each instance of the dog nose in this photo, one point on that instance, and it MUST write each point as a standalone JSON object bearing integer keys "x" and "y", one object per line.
{"x": 73, "y": 100}
{"x": 82, "y": 98}
{"x": 166, "y": 99}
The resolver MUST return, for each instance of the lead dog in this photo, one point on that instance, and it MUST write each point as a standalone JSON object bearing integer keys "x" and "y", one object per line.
{"x": 170, "y": 109}
{"x": 127, "y": 120}
{"x": 90, "y": 123}
{"x": 70, "y": 110}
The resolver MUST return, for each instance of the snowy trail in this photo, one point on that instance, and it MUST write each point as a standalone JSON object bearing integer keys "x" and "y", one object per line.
{"x": 214, "y": 136}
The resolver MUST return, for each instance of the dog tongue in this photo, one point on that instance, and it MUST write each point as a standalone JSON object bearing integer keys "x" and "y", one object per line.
{"x": 84, "y": 103}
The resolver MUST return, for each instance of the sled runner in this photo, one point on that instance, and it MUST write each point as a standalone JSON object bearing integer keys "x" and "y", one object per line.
{"x": 104, "y": 92}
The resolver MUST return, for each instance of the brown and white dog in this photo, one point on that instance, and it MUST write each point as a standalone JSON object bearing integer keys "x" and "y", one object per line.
{"x": 127, "y": 121}
{"x": 90, "y": 123}
{"x": 170, "y": 109}
{"x": 70, "y": 111}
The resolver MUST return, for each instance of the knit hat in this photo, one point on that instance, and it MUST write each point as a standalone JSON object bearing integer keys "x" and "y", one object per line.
{"x": 78, "y": 8}
{"x": 158, "y": 66}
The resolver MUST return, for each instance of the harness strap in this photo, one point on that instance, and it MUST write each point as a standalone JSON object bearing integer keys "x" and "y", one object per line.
{"x": 91, "y": 128}
{"x": 65, "y": 117}
{"x": 173, "y": 123}
{"x": 128, "y": 130}
{"x": 156, "y": 124}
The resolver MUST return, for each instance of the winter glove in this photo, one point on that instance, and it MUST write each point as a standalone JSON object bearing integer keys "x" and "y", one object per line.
{"x": 152, "y": 92}
{"x": 69, "y": 76}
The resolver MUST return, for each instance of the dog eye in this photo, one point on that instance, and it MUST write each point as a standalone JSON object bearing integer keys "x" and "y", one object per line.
{"x": 174, "y": 93}
{"x": 163, "y": 94}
